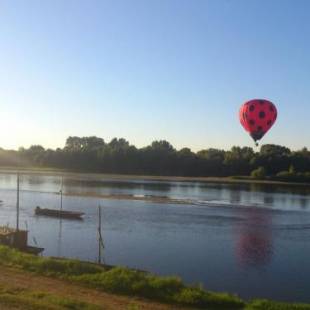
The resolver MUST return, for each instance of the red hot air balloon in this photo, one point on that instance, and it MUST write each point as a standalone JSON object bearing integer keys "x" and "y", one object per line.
{"x": 257, "y": 117}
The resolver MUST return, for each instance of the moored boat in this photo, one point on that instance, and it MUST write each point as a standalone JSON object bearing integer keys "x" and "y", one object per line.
{"x": 59, "y": 213}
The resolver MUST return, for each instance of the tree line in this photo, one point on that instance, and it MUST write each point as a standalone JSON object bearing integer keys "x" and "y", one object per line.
{"x": 93, "y": 154}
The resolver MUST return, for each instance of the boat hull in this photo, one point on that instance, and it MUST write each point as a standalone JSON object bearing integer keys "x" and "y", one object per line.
{"x": 59, "y": 213}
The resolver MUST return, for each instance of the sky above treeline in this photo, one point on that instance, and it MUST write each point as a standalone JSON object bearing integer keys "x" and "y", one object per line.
{"x": 150, "y": 70}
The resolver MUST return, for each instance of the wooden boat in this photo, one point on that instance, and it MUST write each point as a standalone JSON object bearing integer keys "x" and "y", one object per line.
{"x": 59, "y": 213}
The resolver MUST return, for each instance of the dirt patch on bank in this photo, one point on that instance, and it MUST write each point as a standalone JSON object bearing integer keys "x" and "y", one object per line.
{"x": 16, "y": 279}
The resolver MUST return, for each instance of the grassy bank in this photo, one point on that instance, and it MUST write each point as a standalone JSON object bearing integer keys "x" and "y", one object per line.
{"x": 118, "y": 280}
{"x": 17, "y": 298}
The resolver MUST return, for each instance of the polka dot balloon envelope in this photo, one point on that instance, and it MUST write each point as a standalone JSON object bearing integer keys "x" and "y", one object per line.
{"x": 257, "y": 116}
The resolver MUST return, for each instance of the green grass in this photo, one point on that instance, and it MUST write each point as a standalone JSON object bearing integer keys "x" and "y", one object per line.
{"x": 119, "y": 280}
{"x": 165, "y": 289}
{"x": 261, "y": 304}
{"x": 33, "y": 300}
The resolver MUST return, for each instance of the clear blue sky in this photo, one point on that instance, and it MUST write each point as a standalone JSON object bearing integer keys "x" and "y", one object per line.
{"x": 152, "y": 69}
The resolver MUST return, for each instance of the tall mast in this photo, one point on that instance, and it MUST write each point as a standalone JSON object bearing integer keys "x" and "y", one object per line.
{"x": 100, "y": 239}
{"x": 99, "y": 234}
{"x": 62, "y": 180}
{"x": 17, "y": 204}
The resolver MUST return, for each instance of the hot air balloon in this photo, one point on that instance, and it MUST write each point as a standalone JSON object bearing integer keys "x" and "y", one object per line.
{"x": 257, "y": 116}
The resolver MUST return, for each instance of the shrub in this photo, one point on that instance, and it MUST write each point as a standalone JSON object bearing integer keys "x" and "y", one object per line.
{"x": 259, "y": 173}
{"x": 200, "y": 298}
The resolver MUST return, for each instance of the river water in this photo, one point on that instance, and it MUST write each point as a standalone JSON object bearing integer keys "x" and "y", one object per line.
{"x": 248, "y": 239}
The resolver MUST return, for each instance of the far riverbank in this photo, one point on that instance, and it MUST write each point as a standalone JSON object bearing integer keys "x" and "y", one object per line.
{"x": 124, "y": 177}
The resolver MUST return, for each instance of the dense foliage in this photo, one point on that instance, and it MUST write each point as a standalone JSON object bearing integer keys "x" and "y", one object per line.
{"x": 93, "y": 154}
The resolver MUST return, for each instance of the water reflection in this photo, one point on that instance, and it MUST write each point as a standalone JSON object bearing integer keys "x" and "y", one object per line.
{"x": 254, "y": 245}
{"x": 303, "y": 202}
{"x": 33, "y": 180}
{"x": 235, "y": 196}
{"x": 59, "y": 240}
{"x": 268, "y": 199}
{"x": 118, "y": 184}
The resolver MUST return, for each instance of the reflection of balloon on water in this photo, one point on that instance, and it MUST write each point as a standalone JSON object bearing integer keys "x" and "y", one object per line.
{"x": 254, "y": 249}
{"x": 257, "y": 116}
{"x": 254, "y": 246}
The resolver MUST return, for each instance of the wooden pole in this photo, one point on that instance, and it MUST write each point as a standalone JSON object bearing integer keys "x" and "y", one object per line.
{"x": 60, "y": 221}
{"x": 17, "y": 204}
{"x": 61, "y": 193}
{"x": 99, "y": 234}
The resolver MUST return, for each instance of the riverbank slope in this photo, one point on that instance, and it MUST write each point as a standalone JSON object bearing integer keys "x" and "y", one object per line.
{"x": 31, "y": 282}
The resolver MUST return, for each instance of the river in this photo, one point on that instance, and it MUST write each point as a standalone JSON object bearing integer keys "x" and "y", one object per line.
{"x": 247, "y": 239}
